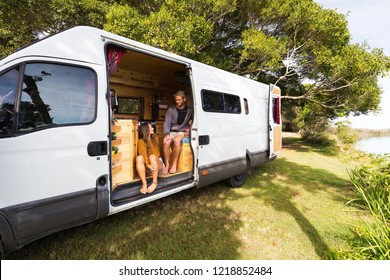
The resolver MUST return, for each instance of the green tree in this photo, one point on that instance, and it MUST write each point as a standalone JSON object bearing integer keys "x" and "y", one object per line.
{"x": 307, "y": 51}
{"x": 182, "y": 26}
{"x": 22, "y": 22}
{"x": 295, "y": 44}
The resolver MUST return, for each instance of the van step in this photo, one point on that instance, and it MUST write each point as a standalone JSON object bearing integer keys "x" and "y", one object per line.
{"x": 130, "y": 192}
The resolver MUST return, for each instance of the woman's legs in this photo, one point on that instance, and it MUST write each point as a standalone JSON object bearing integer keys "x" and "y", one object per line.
{"x": 140, "y": 166}
{"x": 167, "y": 152}
{"x": 156, "y": 167}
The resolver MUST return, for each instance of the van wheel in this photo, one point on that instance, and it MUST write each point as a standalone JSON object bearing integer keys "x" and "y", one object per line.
{"x": 2, "y": 251}
{"x": 236, "y": 181}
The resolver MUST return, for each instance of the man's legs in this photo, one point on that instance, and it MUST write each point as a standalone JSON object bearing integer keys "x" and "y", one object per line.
{"x": 176, "y": 152}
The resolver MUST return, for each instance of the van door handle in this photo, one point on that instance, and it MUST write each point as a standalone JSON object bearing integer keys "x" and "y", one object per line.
{"x": 204, "y": 139}
{"x": 97, "y": 148}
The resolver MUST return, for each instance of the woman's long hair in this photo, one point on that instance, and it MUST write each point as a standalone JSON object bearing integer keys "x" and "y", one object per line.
{"x": 144, "y": 135}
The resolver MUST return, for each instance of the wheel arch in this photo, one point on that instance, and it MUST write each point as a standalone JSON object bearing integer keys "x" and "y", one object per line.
{"x": 249, "y": 162}
{"x": 8, "y": 242}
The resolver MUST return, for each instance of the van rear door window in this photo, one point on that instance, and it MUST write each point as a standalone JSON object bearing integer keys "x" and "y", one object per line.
{"x": 55, "y": 94}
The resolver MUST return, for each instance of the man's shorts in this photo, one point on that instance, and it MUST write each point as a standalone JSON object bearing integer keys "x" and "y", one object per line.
{"x": 174, "y": 134}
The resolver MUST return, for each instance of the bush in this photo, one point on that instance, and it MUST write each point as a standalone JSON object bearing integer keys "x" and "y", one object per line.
{"x": 345, "y": 133}
{"x": 372, "y": 183}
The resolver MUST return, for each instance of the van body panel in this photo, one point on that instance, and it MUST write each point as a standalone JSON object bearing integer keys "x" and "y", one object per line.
{"x": 78, "y": 45}
{"x": 230, "y": 136}
{"x": 212, "y": 173}
{"x": 37, "y": 168}
{"x": 36, "y": 218}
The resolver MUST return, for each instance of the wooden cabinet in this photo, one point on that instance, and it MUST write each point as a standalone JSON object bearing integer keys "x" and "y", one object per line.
{"x": 160, "y": 133}
{"x": 123, "y": 163}
{"x": 185, "y": 161}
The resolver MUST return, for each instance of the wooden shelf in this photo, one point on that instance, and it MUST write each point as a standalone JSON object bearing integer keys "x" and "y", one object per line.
{"x": 126, "y": 142}
{"x": 116, "y": 157}
{"x": 115, "y": 128}
{"x": 116, "y": 169}
{"x": 116, "y": 142}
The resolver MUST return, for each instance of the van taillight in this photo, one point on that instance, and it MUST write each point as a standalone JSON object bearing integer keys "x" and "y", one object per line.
{"x": 276, "y": 110}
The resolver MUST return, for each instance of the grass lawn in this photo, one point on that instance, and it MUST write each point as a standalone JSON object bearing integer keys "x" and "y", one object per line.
{"x": 292, "y": 208}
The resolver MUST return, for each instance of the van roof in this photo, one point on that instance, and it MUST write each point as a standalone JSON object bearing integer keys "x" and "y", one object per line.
{"x": 81, "y": 43}
{"x": 85, "y": 44}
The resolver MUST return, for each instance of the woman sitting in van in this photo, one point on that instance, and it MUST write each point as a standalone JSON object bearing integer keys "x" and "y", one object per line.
{"x": 148, "y": 161}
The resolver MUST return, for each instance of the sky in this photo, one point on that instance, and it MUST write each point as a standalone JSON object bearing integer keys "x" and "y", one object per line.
{"x": 368, "y": 20}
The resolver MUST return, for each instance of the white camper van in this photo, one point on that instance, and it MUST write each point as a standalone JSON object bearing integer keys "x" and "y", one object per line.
{"x": 67, "y": 158}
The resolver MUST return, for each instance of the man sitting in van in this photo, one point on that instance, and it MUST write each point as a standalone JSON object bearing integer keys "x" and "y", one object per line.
{"x": 177, "y": 120}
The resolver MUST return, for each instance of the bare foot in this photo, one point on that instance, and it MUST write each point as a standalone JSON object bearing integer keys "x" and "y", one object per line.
{"x": 173, "y": 169}
{"x": 144, "y": 189}
{"x": 152, "y": 187}
{"x": 165, "y": 170}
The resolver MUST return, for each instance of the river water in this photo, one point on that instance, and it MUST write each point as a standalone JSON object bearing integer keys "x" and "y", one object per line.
{"x": 376, "y": 145}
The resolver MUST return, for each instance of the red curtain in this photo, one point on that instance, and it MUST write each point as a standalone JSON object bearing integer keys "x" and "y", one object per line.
{"x": 114, "y": 55}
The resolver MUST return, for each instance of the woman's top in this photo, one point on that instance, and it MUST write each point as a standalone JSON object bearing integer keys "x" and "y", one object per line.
{"x": 145, "y": 152}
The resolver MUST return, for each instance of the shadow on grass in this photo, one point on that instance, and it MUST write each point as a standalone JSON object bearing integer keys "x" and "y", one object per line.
{"x": 293, "y": 178}
{"x": 194, "y": 224}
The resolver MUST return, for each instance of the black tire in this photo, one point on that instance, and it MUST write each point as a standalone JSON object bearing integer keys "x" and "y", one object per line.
{"x": 236, "y": 181}
{"x": 2, "y": 251}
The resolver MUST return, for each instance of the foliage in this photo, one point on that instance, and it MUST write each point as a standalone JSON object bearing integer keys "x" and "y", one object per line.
{"x": 373, "y": 186}
{"x": 345, "y": 133}
{"x": 295, "y": 44}
{"x": 314, "y": 52}
{"x": 314, "y": 125}
{"x": 175, "y": 26}
{"x": 372, "y": 183}
{"x": 22, "y": 22}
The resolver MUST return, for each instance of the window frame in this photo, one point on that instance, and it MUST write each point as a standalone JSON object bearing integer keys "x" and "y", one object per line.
{"x": 16, "y": 130}
{"x": 137, "y": 99}
{"x": 22, "y": 68}
{"x": 224, "y": 111}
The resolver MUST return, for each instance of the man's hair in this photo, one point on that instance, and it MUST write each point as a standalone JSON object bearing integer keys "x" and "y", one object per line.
{"x": 180, "y": 93}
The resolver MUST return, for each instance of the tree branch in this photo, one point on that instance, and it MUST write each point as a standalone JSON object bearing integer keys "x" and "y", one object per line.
{"x": 290, "y": 57}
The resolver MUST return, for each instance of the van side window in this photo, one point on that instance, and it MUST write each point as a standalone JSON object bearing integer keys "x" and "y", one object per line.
{"x": 8, "y": 87}
{"x": 55, "y": 94}
{"x": 220, "y": 102}
{"x": 246, "y": 105}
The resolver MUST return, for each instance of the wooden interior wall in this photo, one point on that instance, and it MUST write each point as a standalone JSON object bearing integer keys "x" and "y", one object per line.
{"x": 161, "y": 80}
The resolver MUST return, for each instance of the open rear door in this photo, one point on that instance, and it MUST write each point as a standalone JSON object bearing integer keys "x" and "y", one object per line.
{"x": 275, "y": 121}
